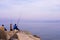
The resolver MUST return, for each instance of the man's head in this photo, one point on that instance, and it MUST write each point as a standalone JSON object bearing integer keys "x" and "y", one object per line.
{"x": 2, "y": 25}
{"x": 15, "y": 24}
{"x": 10, "y": 24}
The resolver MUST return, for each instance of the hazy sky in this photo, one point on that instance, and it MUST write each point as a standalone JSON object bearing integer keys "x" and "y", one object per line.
{"x": 30, "y": 9}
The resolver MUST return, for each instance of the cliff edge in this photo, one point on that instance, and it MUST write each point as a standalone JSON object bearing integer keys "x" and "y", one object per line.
{"x": 17, "y": 35}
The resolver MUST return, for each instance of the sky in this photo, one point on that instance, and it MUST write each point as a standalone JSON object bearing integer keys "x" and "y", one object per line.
{"x": 30, "y": 9}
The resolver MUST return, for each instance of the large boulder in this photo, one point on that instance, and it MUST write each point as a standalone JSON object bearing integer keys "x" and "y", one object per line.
{"x": 3, "y": 35}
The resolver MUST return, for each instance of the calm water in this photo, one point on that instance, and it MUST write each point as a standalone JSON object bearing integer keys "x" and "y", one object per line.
{"x": 47, "y": 31}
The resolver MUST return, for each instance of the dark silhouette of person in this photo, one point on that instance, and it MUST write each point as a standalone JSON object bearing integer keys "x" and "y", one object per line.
{"x": 15, "y": 27}
{"x": 4, "y": 27}
{"x": 11, "y": 27}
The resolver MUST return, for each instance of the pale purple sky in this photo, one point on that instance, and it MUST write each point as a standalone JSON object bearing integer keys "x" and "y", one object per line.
{"x": 30, "y": 9}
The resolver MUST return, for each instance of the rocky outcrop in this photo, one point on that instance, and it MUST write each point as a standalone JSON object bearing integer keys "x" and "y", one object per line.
{"x": 24, "y": 36}
{"x": 17, "y": 35}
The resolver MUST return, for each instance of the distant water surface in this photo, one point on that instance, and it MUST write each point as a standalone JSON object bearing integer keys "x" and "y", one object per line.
{"x": 47, "y": 31}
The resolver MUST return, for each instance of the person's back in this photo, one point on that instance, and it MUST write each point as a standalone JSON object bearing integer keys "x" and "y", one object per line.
{"x": 4, "y": 27}
{"x": 15, "y": 27}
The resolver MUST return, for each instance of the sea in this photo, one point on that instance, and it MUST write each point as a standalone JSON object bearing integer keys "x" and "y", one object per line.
{"x": 45, "y": 30}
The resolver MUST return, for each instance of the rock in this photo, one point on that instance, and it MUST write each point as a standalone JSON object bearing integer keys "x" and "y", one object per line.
{"x": 36, "y": 36}
{"x": 17, "y": 35}
{"x": 24, "y": 36}
{"x": 3, "y": 35}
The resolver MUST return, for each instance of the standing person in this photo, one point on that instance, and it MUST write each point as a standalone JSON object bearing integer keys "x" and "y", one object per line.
{"x": 4, "y": 27}
{"x": 15, "y": 27}
{"x": 11, "y": 27}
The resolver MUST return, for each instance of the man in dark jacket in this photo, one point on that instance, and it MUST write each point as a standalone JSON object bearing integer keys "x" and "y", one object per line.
{"x": 15, "y": 27}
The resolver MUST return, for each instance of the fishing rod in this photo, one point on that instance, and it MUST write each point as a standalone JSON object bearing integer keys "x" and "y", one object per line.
{"x": 18, "y": 22}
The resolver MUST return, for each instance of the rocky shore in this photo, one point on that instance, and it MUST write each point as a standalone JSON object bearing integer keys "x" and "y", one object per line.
{"x": 17, "y": 35}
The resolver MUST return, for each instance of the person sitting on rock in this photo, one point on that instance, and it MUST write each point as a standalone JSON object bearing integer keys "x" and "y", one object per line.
{"x": 3, "y": 35}
{"x": 11, "y": 27}
{"x": 4, "y": 27}
{"x": 15, "y": 27}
